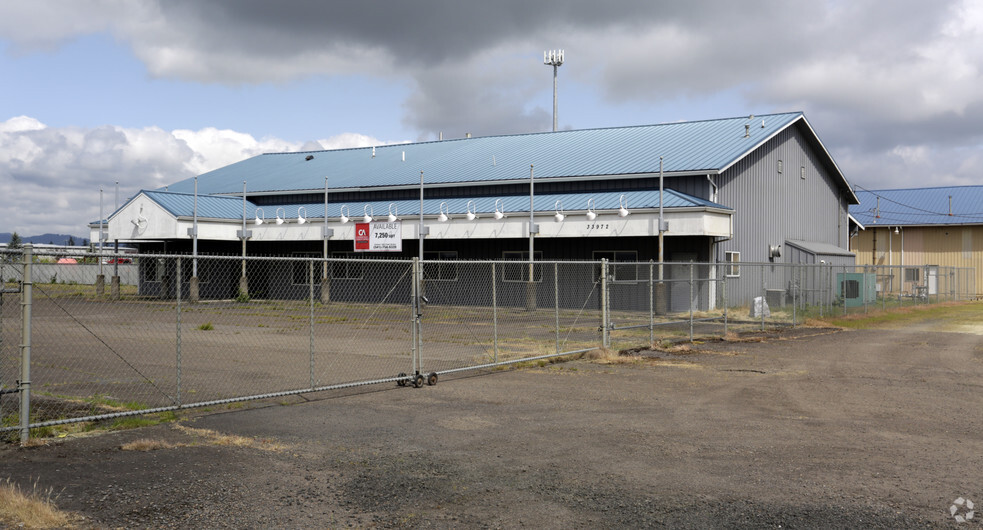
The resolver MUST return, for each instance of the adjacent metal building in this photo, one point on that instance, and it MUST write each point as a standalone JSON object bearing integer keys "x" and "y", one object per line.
{"x": 919, "y": 230}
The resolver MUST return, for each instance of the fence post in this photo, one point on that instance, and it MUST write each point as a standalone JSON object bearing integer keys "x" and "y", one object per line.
{"x": 310, "y": 280}
{"x": 24, "y": 385}
{"x": 692, "y": 267}
{"x": 764, "y": 297}
{"x": 724, "y": 294}
{"x": 651, "y": 305}
{"x": 864, "y": 292}
{"x": 796, "y": 273}
{"x": 604, "y": 303}
{"x": 819, "y": 277}
{"x": 843, "y": 289}
{"x": 415, "y": 294}
{"x": 556, "y": 302}
{"x": 494, "y": 311}
{"x": 177, "y": 296}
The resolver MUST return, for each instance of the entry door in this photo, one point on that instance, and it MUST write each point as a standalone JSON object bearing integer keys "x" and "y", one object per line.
{"x": 933, "y": 279}
{"x": 679, "y": 298}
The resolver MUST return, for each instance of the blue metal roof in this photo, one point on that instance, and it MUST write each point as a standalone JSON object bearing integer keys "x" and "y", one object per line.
{"x": 920, "y": 206}
{"x": 697, "y": 146}
{"x": 219, "y": 207}
{"x": 209, "y": 206}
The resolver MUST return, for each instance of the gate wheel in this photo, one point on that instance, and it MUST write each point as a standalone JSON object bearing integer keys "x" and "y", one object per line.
{"x": 418, "y": 380}
{"x": 432, "y": 379}
{"x": 402, "y": 379}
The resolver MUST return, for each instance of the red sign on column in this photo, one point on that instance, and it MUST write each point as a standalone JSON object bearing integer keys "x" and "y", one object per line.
{"x": 361, "y": 236}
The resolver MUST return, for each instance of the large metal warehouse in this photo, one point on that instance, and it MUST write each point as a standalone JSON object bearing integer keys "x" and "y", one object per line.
{"x": 745, "y": 189}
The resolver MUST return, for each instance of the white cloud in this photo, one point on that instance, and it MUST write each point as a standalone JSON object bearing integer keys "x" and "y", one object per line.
{"x": 50, "y": 177}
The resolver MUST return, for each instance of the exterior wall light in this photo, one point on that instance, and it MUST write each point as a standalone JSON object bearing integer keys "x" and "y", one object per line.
{"x": 443, "y": 217}
{"x": 300, "y": 218}
{"x": 367, "y": 210}
{"x": 393, "y": 211}
{"x": 623, "y": 206}
{"x": 591, "y": 214}
{"x": 471, "y": 215}
{"x": 259, "y": 216}
{"x": 344, "y": 217}
{"x": 279, "y": 219}
{"x": 558, "y": 206}
{"x": 499, "y": 207}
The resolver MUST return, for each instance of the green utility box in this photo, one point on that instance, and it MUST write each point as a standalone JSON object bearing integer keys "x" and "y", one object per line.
{"x": 856, "y": 288}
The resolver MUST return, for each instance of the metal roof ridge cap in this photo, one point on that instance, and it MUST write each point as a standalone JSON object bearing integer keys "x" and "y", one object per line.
{"x": 751, "y": 149}
{"x": 536, "y": 133}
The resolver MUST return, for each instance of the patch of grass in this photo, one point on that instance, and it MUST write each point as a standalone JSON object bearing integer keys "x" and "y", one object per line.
{"x": 217, "y": 438}
{"x": 32, "y": 509}
{"x": 207, "y": 326}
{"x": 146, "y": 444}
{"x": 953, "y": 313}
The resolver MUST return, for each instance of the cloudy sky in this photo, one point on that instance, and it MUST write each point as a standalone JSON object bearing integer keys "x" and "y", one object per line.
{"x": 149, "y": 92}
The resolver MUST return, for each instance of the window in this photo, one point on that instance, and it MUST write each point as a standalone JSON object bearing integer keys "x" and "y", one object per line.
{"x": 347, "y": 270}
{"x": 301, "y": 269}
{"x": 520, "y": 272}
{"x": 628, "y": 272}
{"x": 432, "y": 270}
{"x": 153, "y": 269}
{"x": 733, "y": 259}
{"x": 911, "y": 275}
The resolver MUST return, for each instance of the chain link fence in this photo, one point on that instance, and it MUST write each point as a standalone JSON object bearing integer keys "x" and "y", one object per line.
{"x": 165, "y": 332}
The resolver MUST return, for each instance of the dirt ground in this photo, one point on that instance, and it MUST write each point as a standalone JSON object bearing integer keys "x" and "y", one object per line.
{"x": 812, "y": 429}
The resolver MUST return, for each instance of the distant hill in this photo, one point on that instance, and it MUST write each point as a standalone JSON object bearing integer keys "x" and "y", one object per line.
{"x": 56, "y": 239}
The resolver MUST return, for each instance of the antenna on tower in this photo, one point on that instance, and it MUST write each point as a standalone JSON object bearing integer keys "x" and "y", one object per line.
{"x": 553, "y": 58}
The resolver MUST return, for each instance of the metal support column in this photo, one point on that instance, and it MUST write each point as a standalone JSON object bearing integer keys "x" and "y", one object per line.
{"x": 494, "y": 311}
{"x": 692, "y": 268}
{"x": 177, "y": 295}
{"x": 310, "y": 280}
{"x": 24, "y": 385}
{"x": 556, "y": 302}
{"x": 605, "y": 338}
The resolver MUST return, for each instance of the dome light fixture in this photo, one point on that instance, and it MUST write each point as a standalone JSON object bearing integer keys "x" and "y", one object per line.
{"x": 443, "y": 217}
{"x": 499, "y": 207}
{"x": 591, "y": 214}
{"x": 558, "y": 206}
{"x": 259, "y": 216}
{"x": 279, "y": 219}
{"x": 471, "y": 208}
{"x": 393, "y": 211}
{"x": 623, "y": 206}
{"x": 344, "y": 217}
{"x": 368, "y": 211}
{"x": 301, "y": 217}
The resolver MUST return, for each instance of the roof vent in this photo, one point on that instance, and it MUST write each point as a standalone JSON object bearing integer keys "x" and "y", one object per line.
{"x": 309, "y": 158}
{"x": 747, "y": 130}
{"x": 467, "y": 135}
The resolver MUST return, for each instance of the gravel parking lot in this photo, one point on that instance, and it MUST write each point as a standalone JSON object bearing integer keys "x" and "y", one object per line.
{"x": 816, "y": 428}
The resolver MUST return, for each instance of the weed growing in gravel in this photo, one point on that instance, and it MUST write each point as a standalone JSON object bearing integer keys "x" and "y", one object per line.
{"x": 207, "y": 326}
{"x": 146, "y": 444}
{"x": 33, "y": 509}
